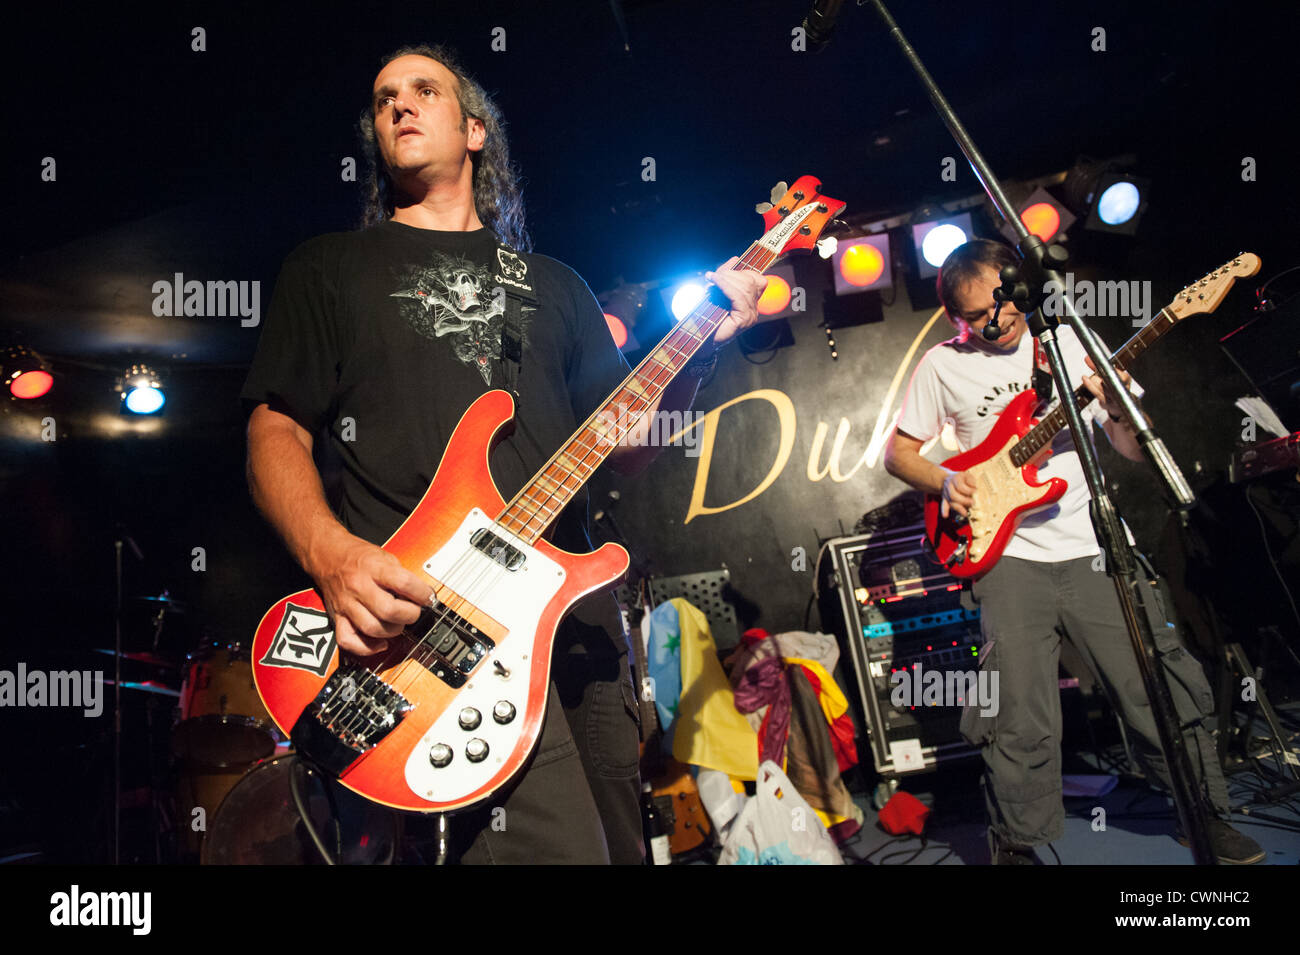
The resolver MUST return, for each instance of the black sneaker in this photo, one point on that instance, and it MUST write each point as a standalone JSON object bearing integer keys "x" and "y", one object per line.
{"x": 1009, "y": 854}
{"x": 1230, "y": 846}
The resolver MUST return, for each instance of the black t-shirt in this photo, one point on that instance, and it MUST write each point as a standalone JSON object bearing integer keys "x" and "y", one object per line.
{"x": 384, "y": 337}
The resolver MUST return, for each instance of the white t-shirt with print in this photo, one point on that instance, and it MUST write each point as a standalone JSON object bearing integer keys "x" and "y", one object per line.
{"x": 972, "y": 386}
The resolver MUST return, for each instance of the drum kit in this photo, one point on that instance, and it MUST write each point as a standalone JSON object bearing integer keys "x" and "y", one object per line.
{"x": 235, "y": 774}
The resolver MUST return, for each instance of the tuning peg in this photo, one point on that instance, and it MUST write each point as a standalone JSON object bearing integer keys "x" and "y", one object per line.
{"x": 763, "y": 207}
{"x": 779, "y": 190}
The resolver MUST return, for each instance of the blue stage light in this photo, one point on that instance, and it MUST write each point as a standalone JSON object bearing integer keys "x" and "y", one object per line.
{"x": 686, "y": 298}
{"x": 142, "y": 391}
{"x": 144, "y": 400}
{"x": 1118, "y": 203}
{"x": 940, "y": 241}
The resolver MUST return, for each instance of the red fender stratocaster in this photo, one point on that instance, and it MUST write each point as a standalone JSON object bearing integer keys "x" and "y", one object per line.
{"x": 1005, "y": 464}
{"x": 451, "y": 711}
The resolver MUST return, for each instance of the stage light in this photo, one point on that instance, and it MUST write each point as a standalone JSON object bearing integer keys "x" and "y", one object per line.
{"x": 1116, "y": 203}
{"x": 25, "y": 373}
{"x": 686, "y": 297}
{"x": 861, "y": 264}
{"x": 936, "y": 239}
{"x": 782, "y": 296}
{"x": 624, "y": 307}
{"x": 617, "y": 329}
{"x": 776, "y": 296}
{"x": 142, "y": 391}
{"x": 1042, "y": 220}
{"x": 1043, "y": 215}
{"x": 31, "y": 384}
{"x": 939, "y": 243}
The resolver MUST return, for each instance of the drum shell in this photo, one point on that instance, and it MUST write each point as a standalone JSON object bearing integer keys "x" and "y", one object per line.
{"x": 258, "y": 821}
{"x": 223, "y": 723}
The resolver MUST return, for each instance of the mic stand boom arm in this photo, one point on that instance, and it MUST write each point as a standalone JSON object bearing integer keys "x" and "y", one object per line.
{"x": 1026, "y": 288}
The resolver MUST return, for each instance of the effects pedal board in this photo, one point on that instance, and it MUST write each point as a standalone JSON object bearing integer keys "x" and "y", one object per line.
{"x": 903, "y": 611}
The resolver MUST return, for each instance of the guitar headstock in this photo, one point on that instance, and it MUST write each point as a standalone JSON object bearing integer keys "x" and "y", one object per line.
{"x": 1205, "y": 295}
{"x": 796, "y": 217}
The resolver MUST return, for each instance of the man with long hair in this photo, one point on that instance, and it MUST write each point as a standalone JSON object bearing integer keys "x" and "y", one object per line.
{"x": 380, "y": 339}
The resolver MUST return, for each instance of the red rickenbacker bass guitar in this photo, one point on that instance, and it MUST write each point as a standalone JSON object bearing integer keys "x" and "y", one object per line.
{"x": 452, "y": 710}
{"x": 1005, "y": 464}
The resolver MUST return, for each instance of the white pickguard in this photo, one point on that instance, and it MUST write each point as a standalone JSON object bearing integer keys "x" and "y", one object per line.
{"x": 515, "y": 599}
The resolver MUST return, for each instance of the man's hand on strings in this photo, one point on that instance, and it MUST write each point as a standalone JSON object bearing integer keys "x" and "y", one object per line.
{"x": 742, "y": 288}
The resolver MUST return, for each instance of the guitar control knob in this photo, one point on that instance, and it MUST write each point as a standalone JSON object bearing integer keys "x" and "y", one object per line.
{"x": 470, "y": 718}
{"x": 503, "y": 712}
{"x": 440, "y": 755}
{"x": 476, "y": 750}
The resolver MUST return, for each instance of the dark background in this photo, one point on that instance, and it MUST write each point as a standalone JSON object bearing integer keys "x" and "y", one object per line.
{"x": 217, "y": 163}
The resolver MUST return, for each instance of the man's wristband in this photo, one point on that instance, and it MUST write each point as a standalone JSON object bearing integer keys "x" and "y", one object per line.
{"x": 705, "y": 359}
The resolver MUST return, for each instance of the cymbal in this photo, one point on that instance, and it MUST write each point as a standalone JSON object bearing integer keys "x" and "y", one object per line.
{"x": 142, "y": 657}
{"x": 168, "y": 602}
{"x": 148, "y": 686}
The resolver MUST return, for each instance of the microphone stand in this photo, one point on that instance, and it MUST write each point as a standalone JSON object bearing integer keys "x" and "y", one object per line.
{"x": 117, "y": 702}
{"x": 1025, "y": 287}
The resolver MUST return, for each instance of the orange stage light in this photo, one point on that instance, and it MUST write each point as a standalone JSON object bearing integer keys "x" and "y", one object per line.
{"x": 1042, "y": 220}
{"x": 776, "y": 296}
{"x": 862, "y": 264}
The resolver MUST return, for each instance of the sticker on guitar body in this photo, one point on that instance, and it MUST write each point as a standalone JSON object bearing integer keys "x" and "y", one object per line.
{"x": 305, "y": 641}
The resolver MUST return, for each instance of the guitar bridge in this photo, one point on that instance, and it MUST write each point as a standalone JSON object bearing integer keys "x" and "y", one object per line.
{"x": 354, "y": 710}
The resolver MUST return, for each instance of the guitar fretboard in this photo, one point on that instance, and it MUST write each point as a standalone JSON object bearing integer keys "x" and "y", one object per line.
{"x": 533, "y": 509}
{"x": 1041, "y": 435}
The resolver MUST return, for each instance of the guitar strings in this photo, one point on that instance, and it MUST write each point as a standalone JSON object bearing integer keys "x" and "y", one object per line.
{"x": 466, "y": 594}
{"x": 492, "y": 575}
{"x": 471, "y": 591}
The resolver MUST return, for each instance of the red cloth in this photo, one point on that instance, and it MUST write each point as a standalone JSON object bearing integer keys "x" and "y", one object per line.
{"x": 846, "y": 751}
{"x": 842, "y": 734}
{"x": 904, "y": 813}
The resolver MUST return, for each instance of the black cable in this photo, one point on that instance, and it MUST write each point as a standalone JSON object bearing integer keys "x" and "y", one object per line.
{"x": 746, "y": 350}
{"x": 1259, "y": 292}
{"x": 1263, "y": 532}
{"x": 898, "y": 841}
{"x": 1268, "y": 822}
{"x": 296, "y": 791}
{"x": 334, "y": 817}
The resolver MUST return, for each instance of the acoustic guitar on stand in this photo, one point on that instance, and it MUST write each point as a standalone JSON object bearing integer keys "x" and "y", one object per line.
{"x": 453, "y": 708}
{"x": 1005, "y": 465}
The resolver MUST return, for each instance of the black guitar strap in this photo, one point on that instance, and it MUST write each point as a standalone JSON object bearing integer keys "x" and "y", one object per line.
{"x": 511, "y": 281}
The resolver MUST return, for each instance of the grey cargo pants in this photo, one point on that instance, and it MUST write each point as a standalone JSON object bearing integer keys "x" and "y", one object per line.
{"x": 1025, "y": 609}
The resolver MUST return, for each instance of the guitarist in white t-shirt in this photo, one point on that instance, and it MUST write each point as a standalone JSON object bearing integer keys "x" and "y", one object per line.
{"x": 1045, "y": 585}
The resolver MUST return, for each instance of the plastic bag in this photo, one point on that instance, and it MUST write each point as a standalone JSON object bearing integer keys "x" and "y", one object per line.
{"x": 778, "y": 827}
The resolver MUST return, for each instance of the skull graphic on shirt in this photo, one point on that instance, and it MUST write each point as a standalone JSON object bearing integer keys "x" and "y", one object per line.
{"x": 452, "y": 298}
